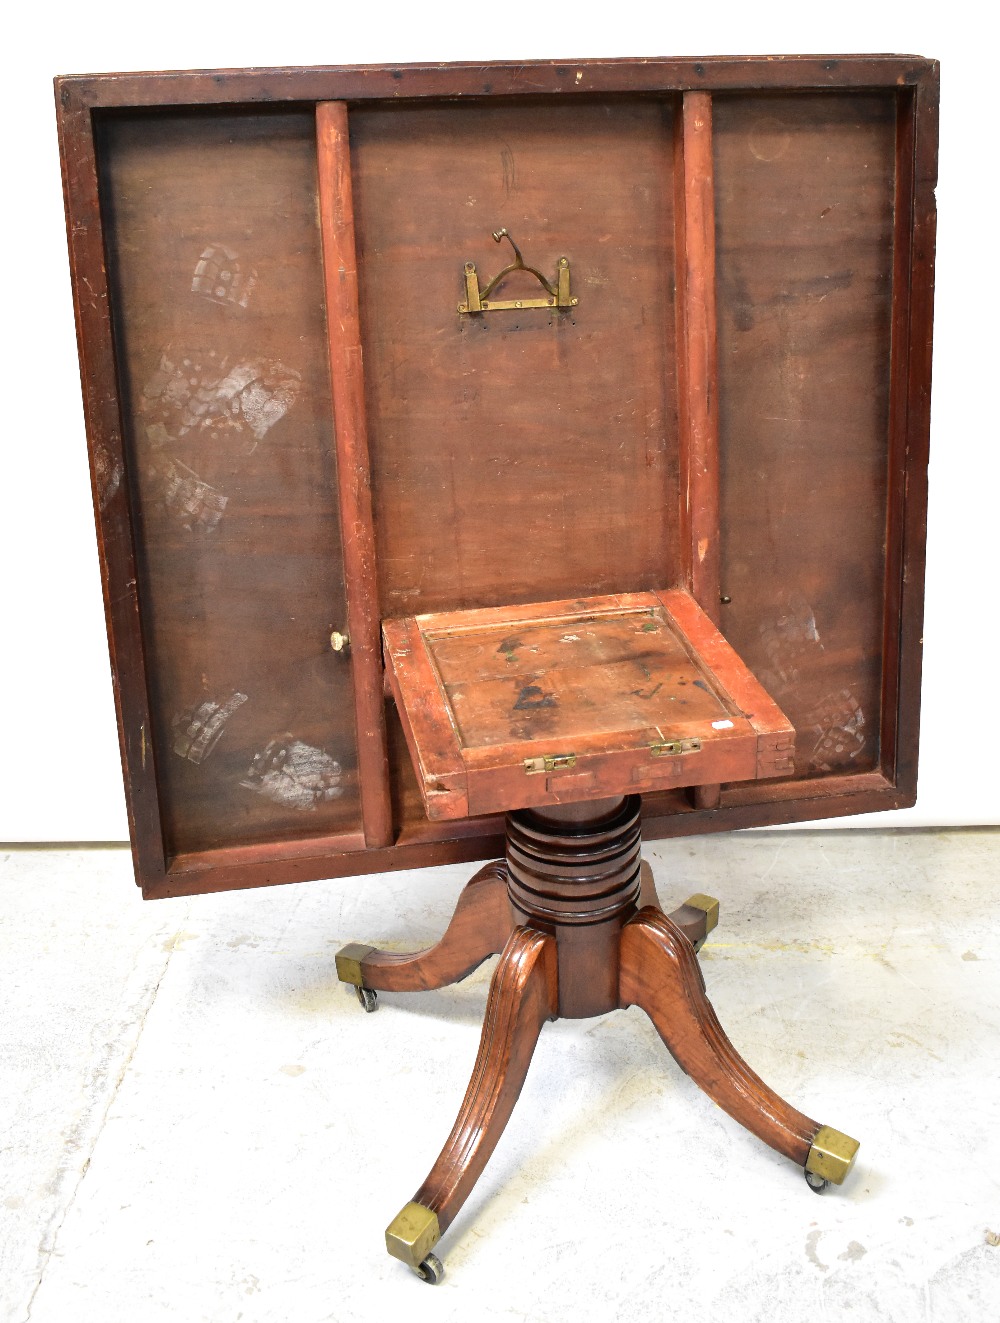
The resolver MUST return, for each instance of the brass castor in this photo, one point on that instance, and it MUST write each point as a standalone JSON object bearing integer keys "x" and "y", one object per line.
{"x": 430, "y": 1270}
{"x": 831, "y": 1157}
{"x": 410, "y": 1237}
{"x": 349, "y": 960}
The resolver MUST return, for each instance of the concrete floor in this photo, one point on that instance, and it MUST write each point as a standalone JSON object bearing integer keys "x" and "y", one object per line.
{"x": 200, "y": 1123}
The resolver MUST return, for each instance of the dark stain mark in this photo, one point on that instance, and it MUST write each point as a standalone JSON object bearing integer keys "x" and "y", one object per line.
{"x": 509, "y": 173}
{"x": 531, "y": 698}
{"x": 650, "y": 627}
{"x": 508, "y": 648}
{"x": 702, "y": 685}
{"x": 699, "y": 70}
{"x": 639, "y": 693}
{"x": 745, "y": 312}
{"x": 397, "y": 74}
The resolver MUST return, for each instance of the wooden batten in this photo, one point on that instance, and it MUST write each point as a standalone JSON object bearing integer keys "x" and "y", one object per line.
{"x": 697, "y": 363}
{"x": 354, "y": 488}
{"x": 913, "y": 286}
{"x": 112, "y": 509}
{"x": 902, "y": 256}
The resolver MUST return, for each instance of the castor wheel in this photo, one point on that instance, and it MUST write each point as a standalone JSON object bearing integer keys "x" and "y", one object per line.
{"x": 430, "y": 1270}
{"x": 831, "y": 1157}
{"x": 410, "y": 1236}
{"x": 368, "y": 998}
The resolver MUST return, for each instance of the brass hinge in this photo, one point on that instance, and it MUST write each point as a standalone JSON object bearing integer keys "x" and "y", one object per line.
{"x": 552, "y": 762}
{"x": 670, "y": 748}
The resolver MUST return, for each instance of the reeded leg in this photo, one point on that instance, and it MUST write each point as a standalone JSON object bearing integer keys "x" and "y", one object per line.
{"x": 660, "y": 973}
{"x": 523, "y": 995}
{"x": 647, "y": 888}
{"x": 479, "y": 928}
{"x": 696, "y": 917}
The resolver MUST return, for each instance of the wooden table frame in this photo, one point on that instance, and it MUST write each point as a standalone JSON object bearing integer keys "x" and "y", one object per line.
{"x": 696, "y": 84}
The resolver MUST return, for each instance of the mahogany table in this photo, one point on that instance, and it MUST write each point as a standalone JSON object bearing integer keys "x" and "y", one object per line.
{"x": 629, "y": 359}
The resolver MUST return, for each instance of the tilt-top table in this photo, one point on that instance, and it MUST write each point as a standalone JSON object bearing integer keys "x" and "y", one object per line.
{"x": 494, "y": 461}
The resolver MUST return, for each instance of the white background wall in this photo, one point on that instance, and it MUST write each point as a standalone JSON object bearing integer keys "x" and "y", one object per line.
{"x": 59, "y": 773}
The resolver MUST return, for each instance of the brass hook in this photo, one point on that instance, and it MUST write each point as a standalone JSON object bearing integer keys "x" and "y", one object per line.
{"x": 499, "y": 235}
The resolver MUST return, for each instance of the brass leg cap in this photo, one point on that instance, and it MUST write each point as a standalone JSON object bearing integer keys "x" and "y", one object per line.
{"x": 709, "y": 907}
{"x": 349, "y": 960}
{"x": 832, "y": 1155}
{"x": 412, "y": 1234}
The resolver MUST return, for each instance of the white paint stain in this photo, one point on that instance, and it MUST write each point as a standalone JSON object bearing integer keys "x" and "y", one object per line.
{"x": 854, "y": 1251}
{"x": 107, "y": 475}
{"x": 838, "y": 724}
{"x": 231, "y": 404}
{"x": 219, "y": 277}
{"x": 196, "y": 505}
{"x": 294, "y": 774}
{"x": 812, "y": 1240}
{"x": 198, "y": 730}
{"x": 835, "y": 722}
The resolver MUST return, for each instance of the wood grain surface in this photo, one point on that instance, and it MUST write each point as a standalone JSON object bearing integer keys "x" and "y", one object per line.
{"x": 612, "y": 686}
{"x": 340, "y": 266}
{"x": 511, "y": 457}
{"x": 660, "y": 973}
{"x": 804, "y": 198}
{"x": 523, "y": 995}
{"x": 518, "y": 456}
{"x": 478, "y": 929}
{"x": 230, "y": 469}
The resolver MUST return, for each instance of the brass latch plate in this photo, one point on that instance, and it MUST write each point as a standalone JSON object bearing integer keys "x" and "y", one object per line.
{"x": 477, "y": 299}
{"x": 553, "y": 762}
{"x": 670, "y": 748}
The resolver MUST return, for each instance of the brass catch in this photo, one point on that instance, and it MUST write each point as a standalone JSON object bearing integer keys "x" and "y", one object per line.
{"x": 670, "y": 748}
{"x": 555, "y": 295}
{"x": 553, "y": 762}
